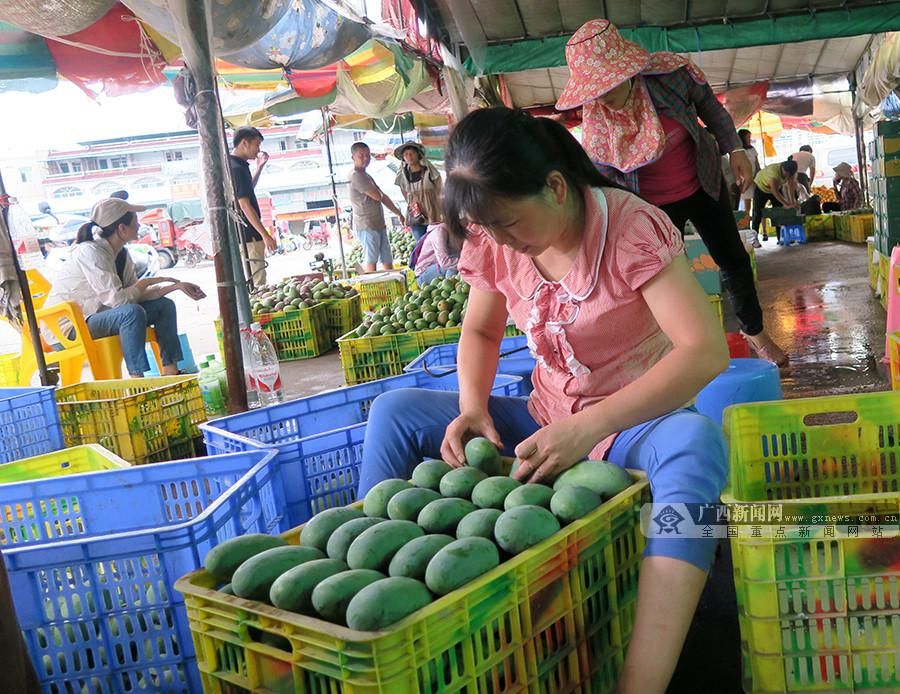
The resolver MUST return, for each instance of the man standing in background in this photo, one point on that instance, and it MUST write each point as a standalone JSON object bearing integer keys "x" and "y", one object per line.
{"x": 806, "y": 167}
{"x": 247, "y": 141}
{"x": 368, "y": 216}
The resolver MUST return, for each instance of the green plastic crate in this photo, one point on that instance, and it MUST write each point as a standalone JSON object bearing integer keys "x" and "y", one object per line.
{"x": 818, "y": 611}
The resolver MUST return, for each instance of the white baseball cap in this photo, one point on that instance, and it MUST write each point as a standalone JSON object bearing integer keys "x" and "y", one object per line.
{"x": 108, "y": 211}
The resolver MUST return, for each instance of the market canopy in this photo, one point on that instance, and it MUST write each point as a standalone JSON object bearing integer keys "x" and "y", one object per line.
{"x": 504, "y": 36}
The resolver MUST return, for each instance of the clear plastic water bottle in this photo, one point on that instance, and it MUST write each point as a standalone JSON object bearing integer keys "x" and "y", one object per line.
{"x": 266, "y": 370}
{"x": 247, "y": 343}
{"x": 219, "y": 370}
{"x": 210, "y": 391}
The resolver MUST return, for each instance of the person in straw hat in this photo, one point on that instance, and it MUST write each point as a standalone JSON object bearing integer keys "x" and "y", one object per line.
{"x": 641, "y": 128}
{"x": 420, "y": 184}
{"x": 846, "y": 189}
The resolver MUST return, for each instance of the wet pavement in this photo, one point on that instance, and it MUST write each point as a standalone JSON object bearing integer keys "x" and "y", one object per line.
{"x": 818, "y": 306}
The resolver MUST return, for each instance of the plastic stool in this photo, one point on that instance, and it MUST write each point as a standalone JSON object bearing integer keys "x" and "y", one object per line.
{"x": 745, "y": 380}
{"x": 792, "y": 232}
{"x": 186, "y": 365}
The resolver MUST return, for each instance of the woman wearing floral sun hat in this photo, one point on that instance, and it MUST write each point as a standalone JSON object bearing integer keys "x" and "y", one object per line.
{"x": 641, "y": 129}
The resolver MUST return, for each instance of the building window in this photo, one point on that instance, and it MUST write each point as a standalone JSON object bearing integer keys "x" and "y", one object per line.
{"x": 283, "y": 145}
{"x": 359, "y": 135}
{"x": 145, "y": 183}
{"x": 106, "y": 188}
{"x": 76, "y": 167}
{"x": 67, "y": 192}
{"x": 25, "y": 174}
{"x": 118, "y": 163}
{"x": 174, "y": 155}
{"x": 319, "y": 204}
{"x": 63, "y": 167}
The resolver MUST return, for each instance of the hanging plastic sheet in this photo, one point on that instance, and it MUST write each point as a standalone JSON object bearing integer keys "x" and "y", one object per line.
{"x": 309, "y": 35}
{"x": 742, "y": 102}
{"x": 236, "y": 24}
{"x": 25, "y": 62}
{"x": 883, "y": 74}
{"x": 114, "y": 55}
{"x": 54, "y": 17}
{"x": 383, "y": 98}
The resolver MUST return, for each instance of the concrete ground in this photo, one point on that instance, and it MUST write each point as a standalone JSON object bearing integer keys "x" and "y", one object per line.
{"x": 819, "y": 308}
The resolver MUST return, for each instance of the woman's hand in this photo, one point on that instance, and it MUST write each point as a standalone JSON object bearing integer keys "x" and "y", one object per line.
{"x": 553, "y": 449}
{"x": 192, "y": 290}
{"x": 741, "y": 169}
{"x": 468, "y": 425}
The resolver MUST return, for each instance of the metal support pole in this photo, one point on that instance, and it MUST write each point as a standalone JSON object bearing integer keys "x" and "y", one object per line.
{"x": 26, "y": 293}
{"x": 861, "y": 157}
{"x": 326, "y": 121}
{"x": 192, "y": 27}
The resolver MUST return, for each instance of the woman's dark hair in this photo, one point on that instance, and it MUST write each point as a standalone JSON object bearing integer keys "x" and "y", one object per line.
{"x": 789, "y": 167}
{"x": 507, "y": 153}
{"x": 86, "y": 230}
{"x": 806, "y": 148}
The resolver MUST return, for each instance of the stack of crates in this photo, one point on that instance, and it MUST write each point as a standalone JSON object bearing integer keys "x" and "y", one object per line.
{"x": 813, "y": 508}
{"x": 884, "y": 186}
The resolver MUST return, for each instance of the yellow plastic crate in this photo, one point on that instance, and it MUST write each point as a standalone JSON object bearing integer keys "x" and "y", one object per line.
{"x": 375, "y": 293}
{"x": 818, "y": 610}
{"x": 873, "y": 260}
{"x": 884, "y": 271}
{"x": 70, "y": 461}
{"x": 343, "y": 315}
{"x": 555, "y": 618}
{"x": 9, "y": 370}
{"x": 818, "y": 226}
{"x": 143, "y": 420}
{"x": 894, "y": 346}
{"x": 860, "y": 227}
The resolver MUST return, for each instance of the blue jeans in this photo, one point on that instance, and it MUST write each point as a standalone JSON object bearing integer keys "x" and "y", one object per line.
{"x": 683, "y": 452}
{"x": 130, "y": 322}
{"x": 418, "y": 231}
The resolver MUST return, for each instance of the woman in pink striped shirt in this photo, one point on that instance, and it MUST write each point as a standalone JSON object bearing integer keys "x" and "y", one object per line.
{"x": 624, "y": 339}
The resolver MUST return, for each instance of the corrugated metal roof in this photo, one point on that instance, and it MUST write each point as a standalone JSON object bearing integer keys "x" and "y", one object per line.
{"x": 723, "y": 68}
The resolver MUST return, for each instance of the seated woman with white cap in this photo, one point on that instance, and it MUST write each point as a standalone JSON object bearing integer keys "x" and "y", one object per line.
{"x": 99, "y": 276}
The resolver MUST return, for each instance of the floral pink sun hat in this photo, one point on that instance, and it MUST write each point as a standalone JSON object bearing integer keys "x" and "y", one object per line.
{"x": 599, "y": 60}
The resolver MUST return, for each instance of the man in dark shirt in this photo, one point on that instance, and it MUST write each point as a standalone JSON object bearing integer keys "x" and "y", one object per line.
{"x": 247, "y": 141}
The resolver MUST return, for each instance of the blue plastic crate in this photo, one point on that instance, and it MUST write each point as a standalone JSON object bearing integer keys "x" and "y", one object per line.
{"x": 93, "y": 558}
{"x": 443, "y": 357}
{"x": 29, "y": 423}
{"x": 320, "y": 438}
